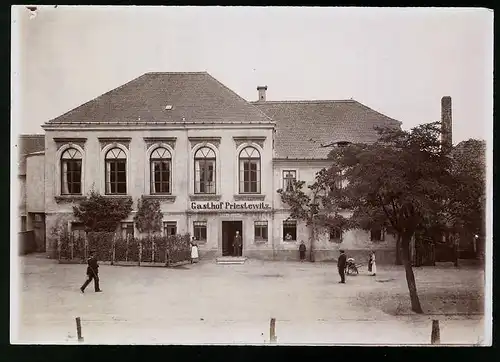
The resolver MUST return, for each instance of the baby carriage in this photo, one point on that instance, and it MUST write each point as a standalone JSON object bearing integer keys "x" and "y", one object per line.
{"x": 351, "y": 268}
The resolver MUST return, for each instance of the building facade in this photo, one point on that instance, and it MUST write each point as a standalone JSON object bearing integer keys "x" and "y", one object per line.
{"x": 212, "y": 159}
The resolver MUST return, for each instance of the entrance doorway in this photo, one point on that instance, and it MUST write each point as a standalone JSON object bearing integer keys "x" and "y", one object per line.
{"x": 229, "y": 229}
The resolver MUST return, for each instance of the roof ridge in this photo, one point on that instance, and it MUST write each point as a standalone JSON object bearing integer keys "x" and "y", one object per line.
{"x": 308, "y": 101}
{"x": 240, "y": 97}
{"x": 200, "y": 72}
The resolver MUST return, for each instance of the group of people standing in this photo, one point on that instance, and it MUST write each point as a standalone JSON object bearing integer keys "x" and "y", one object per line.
{"x": 342, "y": 265}
{"x": 342, "y": 262}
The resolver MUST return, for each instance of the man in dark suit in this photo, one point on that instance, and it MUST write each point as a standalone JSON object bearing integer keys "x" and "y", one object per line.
{"x": 92, "y": 273}
{"x": 237, "y": 244}
{"x": 341, "y": 263}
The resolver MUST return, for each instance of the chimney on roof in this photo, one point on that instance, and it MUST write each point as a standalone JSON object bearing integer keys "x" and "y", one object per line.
{"x": 262, "y": 93}
{"x": 446, "y": 124}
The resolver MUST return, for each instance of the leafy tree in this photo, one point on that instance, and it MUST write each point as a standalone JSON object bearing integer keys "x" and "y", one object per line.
{"x": 314, "y": 207}
{"x": 149, "y": 216}
{"x": 100, "y": 213}
{"x": 402, "y": 180}
{"x": 148, "y": 220}
{"x": 468, "y": 202}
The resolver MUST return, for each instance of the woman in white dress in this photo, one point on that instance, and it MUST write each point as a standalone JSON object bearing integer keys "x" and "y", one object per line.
{"x": 194, "y": 252}
{"x": 373, "y": 264}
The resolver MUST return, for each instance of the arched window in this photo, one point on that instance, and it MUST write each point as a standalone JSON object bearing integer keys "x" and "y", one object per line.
{"x": 71, "y": 172}
{"x": 160, "y": 165}
{"x": 249, "y": 170}
{"x": 116, "y": 172}
{"x": 204, "y": 171}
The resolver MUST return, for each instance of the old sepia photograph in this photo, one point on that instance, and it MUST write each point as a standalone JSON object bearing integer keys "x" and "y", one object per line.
{"x": 251, "y": 176}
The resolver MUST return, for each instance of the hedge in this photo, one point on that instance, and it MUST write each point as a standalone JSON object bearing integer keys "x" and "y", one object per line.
{"x": 110, "y": 247}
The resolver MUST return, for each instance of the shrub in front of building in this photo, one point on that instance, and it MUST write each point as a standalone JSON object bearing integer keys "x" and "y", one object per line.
{"x": 110, "y": 247}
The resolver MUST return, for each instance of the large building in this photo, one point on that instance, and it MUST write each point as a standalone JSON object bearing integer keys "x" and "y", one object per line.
{"x": 214, "y": 161}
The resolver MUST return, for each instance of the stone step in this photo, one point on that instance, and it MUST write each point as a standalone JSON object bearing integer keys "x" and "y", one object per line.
{"x": 231, "y": 260}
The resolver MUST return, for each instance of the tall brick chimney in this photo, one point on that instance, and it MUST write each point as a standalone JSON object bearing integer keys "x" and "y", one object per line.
{"x": 446, "y": 123}
{"x": 262, "y": 93}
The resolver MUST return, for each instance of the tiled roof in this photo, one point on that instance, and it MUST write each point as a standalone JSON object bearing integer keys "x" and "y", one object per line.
{"x": 194, "y": 97}
{"x": 303, "y": 126}
{"x": 28, "y": 144}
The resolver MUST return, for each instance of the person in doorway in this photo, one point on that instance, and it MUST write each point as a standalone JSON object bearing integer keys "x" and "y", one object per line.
{"x": 92, "y": 273}
{"x": 372, "y": 266}
{"x": 237, "y": 244}
{"x": 302, "y": 251}
{"x": 341, "y": 264}
{"x": 194, "y": 251}
{"x": 288, "y": 237}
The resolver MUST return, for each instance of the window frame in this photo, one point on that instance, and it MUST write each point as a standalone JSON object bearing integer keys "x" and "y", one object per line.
{"x": 241, "y": 173}
{"x": 382, "y": 234}
{"x": 167, "y": 225}
{"x": 116, "y": 161}
{"x": 261, "y": 225}
{"x": 76, "y": 159}
{"x": 200, "y": 224}
{"x": 152, "y": 171}
{"x": 197, "y": 176}
{"x": 125, "y": 227}
{"x": 285, "y": 178}
{"x": 334, "y": 239}
{"x": 289, "y": 222}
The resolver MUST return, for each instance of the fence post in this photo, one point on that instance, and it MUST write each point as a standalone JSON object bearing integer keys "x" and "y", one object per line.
{"x": 113, "y": 251}
{"x": 435, "y": 335}
{"x": 59, "y": 247}
{"x": 126, "y": 249}
{"x": 72, "y": 246}
{"x": 152, "y": 250}
{"x": 79, "y": 329}
{"x": 272, "y": 331}
{"x": 140, "y": 251}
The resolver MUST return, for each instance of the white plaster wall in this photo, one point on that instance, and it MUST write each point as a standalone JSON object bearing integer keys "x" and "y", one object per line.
{"x": 35, "y": 173}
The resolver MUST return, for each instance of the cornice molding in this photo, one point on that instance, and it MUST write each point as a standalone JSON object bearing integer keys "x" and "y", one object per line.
{"x": 104, "y": 141}
{"x": 204, "y": 140}
{"x": 62, "y": 141}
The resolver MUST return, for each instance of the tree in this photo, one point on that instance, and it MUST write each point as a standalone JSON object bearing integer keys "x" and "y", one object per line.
{"x": 149, "y": 216}
{"x": 402, "y": 180}
{"x": 314, "y": 207}
{"x": 148, "y": 220}
{"x": 100, "y": 213}
{"x": 468, "y": 202}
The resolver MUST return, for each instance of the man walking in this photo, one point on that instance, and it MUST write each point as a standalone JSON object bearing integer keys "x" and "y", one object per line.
{"x": 341, "y": 263}
{"x": 92, "y": 273}
{"x": 302, "y": 251}
{"x": 237, "y": 244}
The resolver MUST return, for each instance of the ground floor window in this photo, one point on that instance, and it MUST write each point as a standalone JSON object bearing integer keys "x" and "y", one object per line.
{"x": 290, "y": 230}
{"x": 78, "y": 231}
{"x": 170, "y": 228}
{"x": 260, "y": 228}
{"x": 377, "y": 234}
{"x": 127, "y": 230}
{"x": 335, "y": 234}
{"x": 200, "y": 230}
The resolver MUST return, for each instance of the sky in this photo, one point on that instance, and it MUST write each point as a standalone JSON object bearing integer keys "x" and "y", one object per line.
{"x": 400, "y": 62}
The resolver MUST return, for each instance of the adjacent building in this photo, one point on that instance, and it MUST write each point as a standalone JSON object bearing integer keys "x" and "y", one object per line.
{"x": 214, "y": 161}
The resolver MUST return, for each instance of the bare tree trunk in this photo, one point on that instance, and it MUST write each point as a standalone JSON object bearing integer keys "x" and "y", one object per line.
{"x": 410, "y": 277}
{"x": 398, "y": 250}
